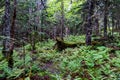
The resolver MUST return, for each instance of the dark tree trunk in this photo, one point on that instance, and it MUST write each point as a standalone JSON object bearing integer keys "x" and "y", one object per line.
{"x": 62, "y": 19}
{"x": 13, "y": 20}
{"x": 105, "y": 17}
{"x": 113, "y": 24}
{"x": 10, "y": 63}
{"x": 7, "y": 48}
{"x": 118, "y": 24}
{"x": 89, "y": 22}
{"x": 96, "y": 26}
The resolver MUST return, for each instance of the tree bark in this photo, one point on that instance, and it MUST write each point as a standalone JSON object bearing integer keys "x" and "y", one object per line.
{"x": 105, "y": 17}
{"x": 89, "y": 22}
{"x": 7, "y": 47}
{"x": 113, "y": 24}
{"x": 62, "y": 19}
{"x": 96, "y": 26}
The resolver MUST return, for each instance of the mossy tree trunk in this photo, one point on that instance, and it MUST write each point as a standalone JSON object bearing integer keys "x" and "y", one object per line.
{"x": 61, "y": 44}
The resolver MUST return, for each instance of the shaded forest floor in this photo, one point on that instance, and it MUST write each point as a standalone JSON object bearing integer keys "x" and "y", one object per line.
{"x": 79, "y": 63}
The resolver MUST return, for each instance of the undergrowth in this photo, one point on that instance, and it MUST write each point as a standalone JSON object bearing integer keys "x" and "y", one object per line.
{"x": 79, "y": 63}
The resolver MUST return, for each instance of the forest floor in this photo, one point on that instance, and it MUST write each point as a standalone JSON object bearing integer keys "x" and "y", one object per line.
{"x": 79, "y": 63}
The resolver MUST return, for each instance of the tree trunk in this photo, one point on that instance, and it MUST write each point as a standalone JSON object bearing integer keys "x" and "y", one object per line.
{"x": 105, "y": 18}
{"x": 113, "y": 24}
{"x": 54, "y": 32}
{"x": 89, "y": 22}
{"x": 12, "y": 32}
{"x": 66, "y": 31}
{"x": 62, "y": 19}
{"x": 96, "y": 26}
{"x": 7, "y": 47}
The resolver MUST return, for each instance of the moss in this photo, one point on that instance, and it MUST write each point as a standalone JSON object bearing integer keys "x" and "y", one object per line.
{"x": 61, "y": 44}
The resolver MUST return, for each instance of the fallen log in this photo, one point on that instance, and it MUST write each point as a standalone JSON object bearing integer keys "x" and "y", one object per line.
{"x": 61, "y": 44}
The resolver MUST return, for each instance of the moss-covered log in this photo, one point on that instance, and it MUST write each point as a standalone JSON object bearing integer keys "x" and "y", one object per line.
{"x": 61, "y": 44}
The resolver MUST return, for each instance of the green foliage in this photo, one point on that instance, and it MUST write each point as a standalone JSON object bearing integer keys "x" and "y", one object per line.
{"x": 72, "y": 13}
{"x": 79, "y": 63}
{"x": 72, "y": 38}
